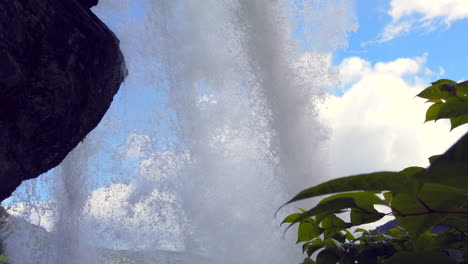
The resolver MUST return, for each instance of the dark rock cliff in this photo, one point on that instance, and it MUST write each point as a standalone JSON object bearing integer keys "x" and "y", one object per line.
{"x": 3, "y": 226}
{"x": 60, "y": 67}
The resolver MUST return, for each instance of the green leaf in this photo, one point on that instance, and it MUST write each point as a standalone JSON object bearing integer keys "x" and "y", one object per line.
{"x": 427, "y": 257}
{"x": 425, "y": 242}
{"x": 433, "y": 158}
{"x": 387, "y": 196}
{"x": 312, "y": 249}
{"x": 442, "y": 81}
{"x": 305, "y": 232}
{"x": 327, "y": 256}
{"x": 462, "y": 90}
{"x": 438, "y": 90}
{"x": 361, "y": 199}
{"x": 449, "y": 87}
{"x": 367, "y": 258}
{"x": 410, "y": 171}
{"x": 320, "y": 217}
{"x": 450, "y": 173}
{"x": 433, "y": 112}
{"x": 331, "y": 243}
{"x": 458, "y": 121}
{"x": 325, "y": 208}
{"x": 418, "y": 214}
{"x": 457, "y": 221}
{"x": 449, "y": 240}
{"x": 360, "y": 217}
{"x": 389, "y": 181}
{"x": 364, "y": 211}
{"x": 451, "y": 168}
{"x": 312, "y": 246}
{"x": 396, "y": 232}
{"x": 291, "y": 218}
{"x": 328, "y": 207}
{"x": 308, "y": 261}
{"x": 333, "y": 221}
{"x": 349, "y": 236}
{"x": 332, "y": 225}
{"x": 305, "y": 246}
{"x": 339, "y": 236}
{"x": 360, "y": 230}
{"x": 451, "y": 109}
{"x": 434, "y": 101}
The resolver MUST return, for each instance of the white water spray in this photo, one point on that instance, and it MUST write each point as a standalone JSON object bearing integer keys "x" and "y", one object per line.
{"x": 226, "y": 132}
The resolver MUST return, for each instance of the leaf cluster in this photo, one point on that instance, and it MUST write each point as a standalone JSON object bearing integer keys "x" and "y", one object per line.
{"x": 449, "y": 100}
{"x": 422, "y": 200}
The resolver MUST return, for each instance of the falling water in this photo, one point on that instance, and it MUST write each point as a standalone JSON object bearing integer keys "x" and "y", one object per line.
{"x": 215, "y": 127}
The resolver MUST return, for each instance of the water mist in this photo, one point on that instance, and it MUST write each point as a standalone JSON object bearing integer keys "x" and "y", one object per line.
{"x": 213, "y": 130}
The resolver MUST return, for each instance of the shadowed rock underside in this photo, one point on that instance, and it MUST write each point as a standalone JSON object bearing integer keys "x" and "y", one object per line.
{"x": 60, "y": 67}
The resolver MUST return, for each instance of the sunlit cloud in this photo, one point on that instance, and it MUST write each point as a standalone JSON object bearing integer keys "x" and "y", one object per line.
{"x": 378, "y": 124}
{"x": 421, "y": 15}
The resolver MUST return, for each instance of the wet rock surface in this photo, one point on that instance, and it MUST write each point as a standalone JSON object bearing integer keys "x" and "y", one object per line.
{"x": 60, "y": 67}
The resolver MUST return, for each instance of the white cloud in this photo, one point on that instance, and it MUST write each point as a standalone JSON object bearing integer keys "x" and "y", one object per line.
{"x": 428, "y": 15}
{"x": 378, "y": 123}
{"x": 401, "y": 66}
{"x": 448, "y": 9}
{"x": 40, "y": 213}
{"x": 352, "y": 69}
{"x": 393, "y": 30}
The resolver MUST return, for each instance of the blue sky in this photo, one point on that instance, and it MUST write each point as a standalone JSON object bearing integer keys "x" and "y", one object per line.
{"x": 445, "y": 43}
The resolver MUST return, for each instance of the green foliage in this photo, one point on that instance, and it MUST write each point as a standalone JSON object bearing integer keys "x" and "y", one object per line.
{"x": 3, "y": 259}
{"x": 420, "y": 199}
{"x": 449, "y": 101}
{"x": 3, "y": 256}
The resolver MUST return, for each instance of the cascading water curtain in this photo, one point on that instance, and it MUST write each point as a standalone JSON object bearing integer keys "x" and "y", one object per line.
{"x": 215, "y": 127}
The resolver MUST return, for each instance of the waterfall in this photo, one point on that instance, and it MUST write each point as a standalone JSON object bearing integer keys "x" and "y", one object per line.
{"x": 215, "y": 127}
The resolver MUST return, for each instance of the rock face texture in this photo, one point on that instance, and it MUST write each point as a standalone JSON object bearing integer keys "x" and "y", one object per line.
{"x": 89, "y": 3}
{"x": 60, "y": 67}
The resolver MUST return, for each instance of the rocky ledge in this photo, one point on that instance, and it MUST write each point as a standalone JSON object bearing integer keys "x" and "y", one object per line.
{"x": 60, "y": 67}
